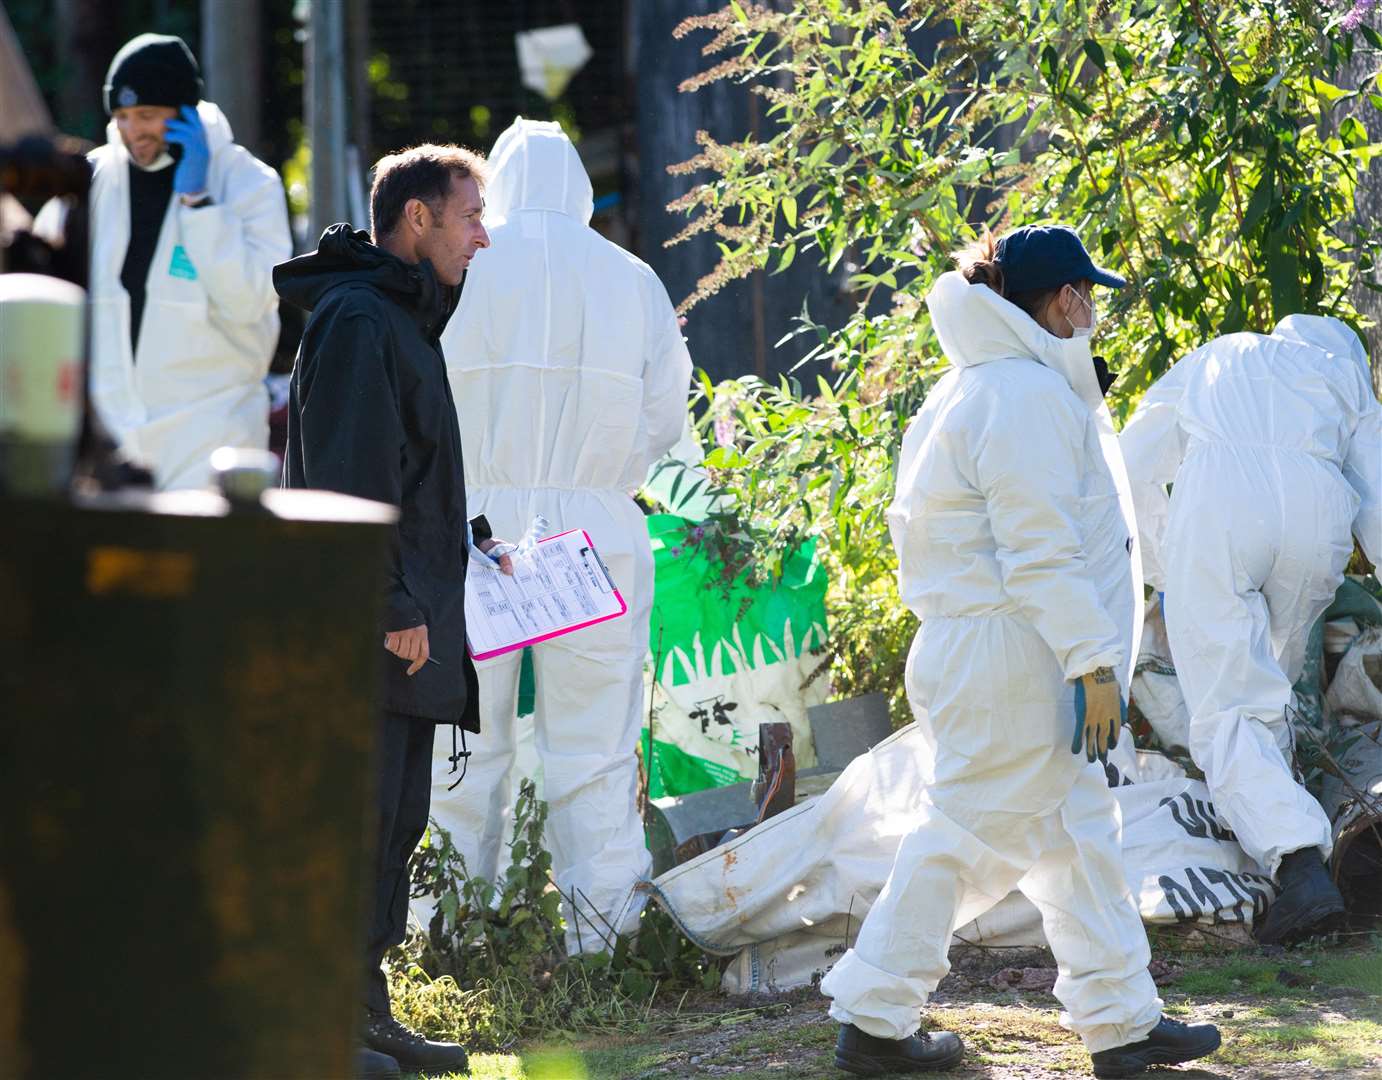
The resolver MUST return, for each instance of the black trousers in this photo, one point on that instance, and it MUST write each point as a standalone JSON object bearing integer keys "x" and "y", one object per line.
{"x": 405, "y": 798}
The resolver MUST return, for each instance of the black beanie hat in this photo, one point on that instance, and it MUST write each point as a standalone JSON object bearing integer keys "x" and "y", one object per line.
{"x": 153, "y": 69}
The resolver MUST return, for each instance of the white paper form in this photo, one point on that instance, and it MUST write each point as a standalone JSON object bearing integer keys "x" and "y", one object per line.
{"x": 560, "y": 588}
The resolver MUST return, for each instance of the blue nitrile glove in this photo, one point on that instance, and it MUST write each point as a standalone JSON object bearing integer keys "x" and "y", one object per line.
{"x": 186, "y": 131}
{"x": 1097, "y": 719}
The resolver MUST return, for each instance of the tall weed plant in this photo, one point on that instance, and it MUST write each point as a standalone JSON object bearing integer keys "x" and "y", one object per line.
{"x": 491, "y": 966}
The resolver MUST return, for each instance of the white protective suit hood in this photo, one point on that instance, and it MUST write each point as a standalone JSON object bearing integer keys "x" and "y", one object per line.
{"x": 534, "y": 166}
{"x": 1324, "y": 332}
{"x": 975, "y": 325}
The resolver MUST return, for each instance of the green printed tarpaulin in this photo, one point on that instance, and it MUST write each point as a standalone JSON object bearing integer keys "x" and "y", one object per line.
{"x": 726, "y": 661}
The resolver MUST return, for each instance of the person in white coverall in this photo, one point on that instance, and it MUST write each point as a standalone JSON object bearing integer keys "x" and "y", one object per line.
{"x": 1014, "y": 536}
{"x": 1274, "y": 445}
{"x": 570, "y": 373}
{"x": 186, "y": 228}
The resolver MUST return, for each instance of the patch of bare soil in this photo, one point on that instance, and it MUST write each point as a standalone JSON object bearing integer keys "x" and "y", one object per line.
{"x": 1311, "y": 1032}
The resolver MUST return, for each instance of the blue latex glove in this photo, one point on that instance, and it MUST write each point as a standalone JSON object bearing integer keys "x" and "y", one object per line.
{"x": 185, "y": 130}
{"x": 1097, "y": 719}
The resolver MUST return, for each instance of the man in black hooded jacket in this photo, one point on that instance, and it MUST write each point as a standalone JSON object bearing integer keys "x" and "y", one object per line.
{"x": 371, "y": 414}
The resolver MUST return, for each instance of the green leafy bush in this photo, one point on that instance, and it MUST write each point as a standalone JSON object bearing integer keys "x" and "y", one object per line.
{"x": 1204, "y": 150}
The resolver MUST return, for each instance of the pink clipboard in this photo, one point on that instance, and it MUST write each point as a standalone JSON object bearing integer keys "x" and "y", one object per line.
{"x": 564, "y": 587}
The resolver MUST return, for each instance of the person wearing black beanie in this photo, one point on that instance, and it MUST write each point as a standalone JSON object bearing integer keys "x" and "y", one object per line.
{"x": 186, "y": 228}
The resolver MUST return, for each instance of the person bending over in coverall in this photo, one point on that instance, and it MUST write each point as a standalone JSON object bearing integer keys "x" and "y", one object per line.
{"x": 1274, "y": 444}
{"x": 1015, "y": 550}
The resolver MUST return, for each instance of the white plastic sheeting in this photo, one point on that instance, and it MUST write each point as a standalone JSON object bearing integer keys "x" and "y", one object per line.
{"x": 783, "y": 898}
{"x": 1355, "y": 693}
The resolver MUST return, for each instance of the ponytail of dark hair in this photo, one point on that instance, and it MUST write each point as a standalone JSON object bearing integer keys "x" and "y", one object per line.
{"x": 979, "y": 263}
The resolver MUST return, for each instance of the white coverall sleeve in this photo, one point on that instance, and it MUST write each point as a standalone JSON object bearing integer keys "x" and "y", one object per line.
{"x": 236, "y": 244}
{"x": 1153, "y": 447}
{"x": 1363, "y": 471}
{"x": 666, "y": 384}
{"x": 1029, "y": 461}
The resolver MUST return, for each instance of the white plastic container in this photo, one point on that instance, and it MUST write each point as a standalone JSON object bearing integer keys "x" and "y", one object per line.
{"x": 42, "y": 383}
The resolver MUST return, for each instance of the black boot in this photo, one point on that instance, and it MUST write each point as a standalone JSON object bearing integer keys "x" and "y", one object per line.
{"x": 1169, "y": 1043}
{"x": 372, "y": 1066}
{"x": 863, "y": 1054}
{"x": 1308, "y": 901}
{"x": 413, "y": 1053}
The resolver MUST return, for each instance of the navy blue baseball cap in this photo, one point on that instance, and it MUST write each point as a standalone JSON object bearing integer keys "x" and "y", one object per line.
{"x": 1047, "y": 257}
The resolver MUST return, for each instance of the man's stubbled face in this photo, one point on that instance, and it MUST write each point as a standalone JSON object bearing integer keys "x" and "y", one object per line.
{"x": 141, "y": 128}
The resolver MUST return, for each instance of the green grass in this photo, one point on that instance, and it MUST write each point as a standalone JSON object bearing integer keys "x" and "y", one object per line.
{"x": 1361, "y": 971}
{"x": 566, "y": 1063}
{"x": 1315, "y": 973}
{"x": 1268, "y": 1022}
{"x": 820, "y": 1037}
{"x": 1333, "y": 1044}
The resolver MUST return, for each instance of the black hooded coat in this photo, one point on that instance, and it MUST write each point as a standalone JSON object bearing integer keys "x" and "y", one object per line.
{"x": 371, "y": 414}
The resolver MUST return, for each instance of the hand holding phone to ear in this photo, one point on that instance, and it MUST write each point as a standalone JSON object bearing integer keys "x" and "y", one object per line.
{"x": 185, "y": 131}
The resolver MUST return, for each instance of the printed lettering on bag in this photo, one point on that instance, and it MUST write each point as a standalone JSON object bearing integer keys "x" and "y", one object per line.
{"x": 1192, "y": 899}
{"x": 181, "y": 264}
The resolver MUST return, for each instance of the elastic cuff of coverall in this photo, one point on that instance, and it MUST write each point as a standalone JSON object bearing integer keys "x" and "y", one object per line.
{"x": 1078, "y": 668}
{"x": 1111, "y": 1036}
{"x": 888, "y": 1006}
{"x": 871, "y": 1025}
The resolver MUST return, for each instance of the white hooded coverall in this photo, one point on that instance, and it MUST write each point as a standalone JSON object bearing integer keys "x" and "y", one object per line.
{"x": 1274, "y": 444}
{"x": 571, "y": 377}
{"x": 1015, "y": 549}
{"x": 210, "y": 319}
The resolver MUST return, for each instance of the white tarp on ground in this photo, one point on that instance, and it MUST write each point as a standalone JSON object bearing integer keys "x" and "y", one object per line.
{"x": 784, "y": 897}
{"x": 1355, "y": 693}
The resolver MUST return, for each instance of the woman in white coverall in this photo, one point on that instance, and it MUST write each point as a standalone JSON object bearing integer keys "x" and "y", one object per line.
{"x": 571, "y": 375}
{"x": 1274, "y": 444}
{"x": 1015, "y": 550}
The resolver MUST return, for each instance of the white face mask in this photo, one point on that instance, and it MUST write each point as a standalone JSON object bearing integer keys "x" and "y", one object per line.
{"x": 161, "y": 162}
{"x": 1084, "y": 331}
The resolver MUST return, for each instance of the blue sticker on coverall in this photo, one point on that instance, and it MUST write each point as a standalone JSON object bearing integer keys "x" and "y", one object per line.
{"x": 181, "y": 266}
